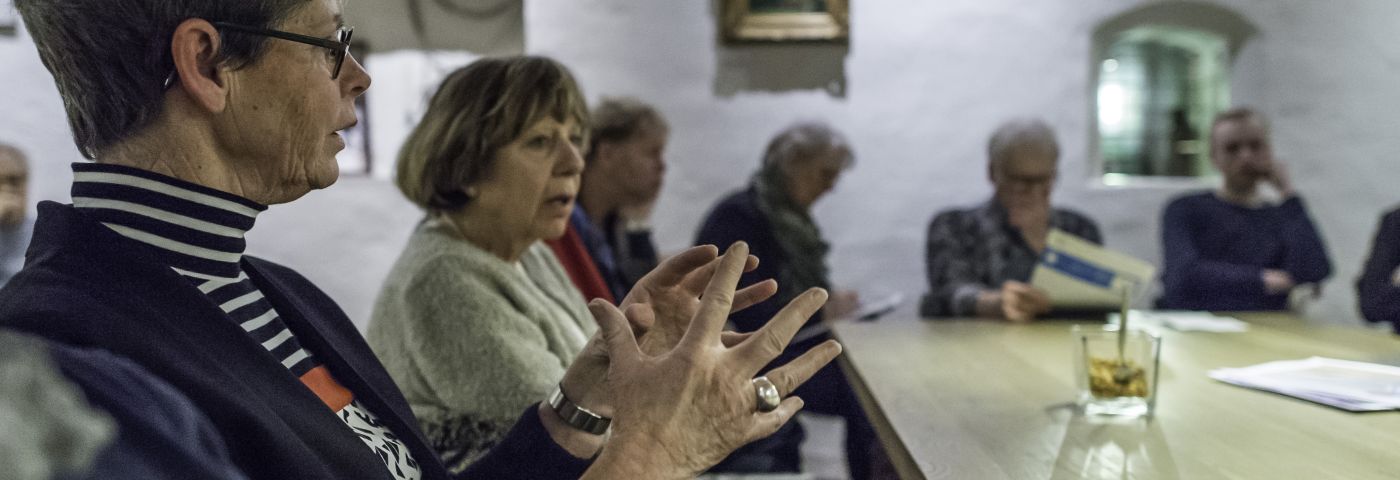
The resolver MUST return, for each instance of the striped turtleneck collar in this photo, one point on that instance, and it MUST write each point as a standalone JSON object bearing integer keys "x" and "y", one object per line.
{"x": 197, "y": 230}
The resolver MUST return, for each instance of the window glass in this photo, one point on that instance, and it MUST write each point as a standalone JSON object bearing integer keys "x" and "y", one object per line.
{"x": 1158, "y": 89}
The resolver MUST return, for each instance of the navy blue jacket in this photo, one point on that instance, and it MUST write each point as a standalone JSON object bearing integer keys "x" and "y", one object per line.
{"x": 85, "y": 285}
{"x": 1376, "y": 291}
{"x": 160, "y": 434}
{"x": 735, "y": 218}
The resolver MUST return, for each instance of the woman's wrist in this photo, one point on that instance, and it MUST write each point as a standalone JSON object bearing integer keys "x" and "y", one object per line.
{"x": 578, "y": 443}
{"x": 576, "y": 415}
{"x": 628, "y": 457}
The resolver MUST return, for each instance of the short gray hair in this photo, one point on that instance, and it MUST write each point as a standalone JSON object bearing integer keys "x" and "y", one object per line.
{"x": 1017, "y": 134}
{"x": 110, "y": 58}
{"x": 800, "y": 143}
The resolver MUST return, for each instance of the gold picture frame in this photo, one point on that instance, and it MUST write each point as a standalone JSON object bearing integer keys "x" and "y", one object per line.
{"x": 786, "y": 20}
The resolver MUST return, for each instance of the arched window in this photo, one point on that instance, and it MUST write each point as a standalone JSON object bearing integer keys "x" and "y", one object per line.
{"x": 1161, "y": 72}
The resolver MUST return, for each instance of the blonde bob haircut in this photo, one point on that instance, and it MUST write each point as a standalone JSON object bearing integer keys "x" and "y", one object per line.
{"x": 476, "y": 111}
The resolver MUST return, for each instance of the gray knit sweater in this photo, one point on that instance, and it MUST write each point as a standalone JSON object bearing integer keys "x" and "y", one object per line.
{"x": 471, "y": 339}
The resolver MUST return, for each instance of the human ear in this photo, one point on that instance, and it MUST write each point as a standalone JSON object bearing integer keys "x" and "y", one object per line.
{"x": 194, "y": 47}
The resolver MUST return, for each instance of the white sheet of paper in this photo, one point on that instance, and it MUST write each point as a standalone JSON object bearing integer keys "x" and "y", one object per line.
{"x": 1079, "y": 274}
{"x": 1184, "y": 321}
{"x": 1354, "y": 386}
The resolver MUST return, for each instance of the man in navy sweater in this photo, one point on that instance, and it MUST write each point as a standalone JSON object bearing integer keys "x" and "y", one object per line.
{"x": 1232, "y": 249}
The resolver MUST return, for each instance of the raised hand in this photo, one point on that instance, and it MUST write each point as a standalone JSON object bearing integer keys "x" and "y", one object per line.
{"x": 679, "y": 412}
{"x": 672, "y": 292}
{"x": 1033, "y": 221}
{"x": 1280, "y": 179}
{"x": 660, "y": 307}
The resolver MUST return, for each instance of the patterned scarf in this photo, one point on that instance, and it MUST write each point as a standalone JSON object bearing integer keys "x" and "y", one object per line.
{"x": 797, "y": 235}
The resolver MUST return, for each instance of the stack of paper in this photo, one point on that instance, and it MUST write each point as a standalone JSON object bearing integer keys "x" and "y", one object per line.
{"x": 1184, "y": 321}
{"x": 1079, "y": 274}
{"x": 1351, "y": 386}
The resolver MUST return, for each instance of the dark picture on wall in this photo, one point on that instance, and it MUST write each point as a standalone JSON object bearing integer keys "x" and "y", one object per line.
{"x": 787, "y": 6}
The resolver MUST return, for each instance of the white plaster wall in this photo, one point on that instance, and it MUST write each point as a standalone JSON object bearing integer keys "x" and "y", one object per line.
{"x": 31, "y": 118}
{"x": 927, "y": 81}
{"x": 922, "y": 85}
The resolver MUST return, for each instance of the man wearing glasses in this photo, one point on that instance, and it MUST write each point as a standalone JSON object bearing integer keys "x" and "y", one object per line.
{"x": 979, "y": 259}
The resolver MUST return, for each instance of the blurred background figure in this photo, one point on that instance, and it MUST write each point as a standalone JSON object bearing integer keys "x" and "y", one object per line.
{"x": 50, "y": 431}
{"x": 477, "y": 319}
{"x": 1240, "y": 248}
{"x": 577, "y": 257}
{"x": 15, "y": 225}
{"x": 773, "y": 214}
{"x": 1378, "y": 288}
{"x": 979, "y": 259}
{"x": 77, "y": 413}
{"x": 623, "y": 173}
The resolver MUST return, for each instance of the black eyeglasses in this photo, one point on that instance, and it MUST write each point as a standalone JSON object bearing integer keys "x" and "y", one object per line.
{"x": 340, "y": 47}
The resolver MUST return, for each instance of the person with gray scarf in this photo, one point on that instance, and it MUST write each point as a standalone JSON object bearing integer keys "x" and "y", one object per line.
{"x": 773, "y": 214}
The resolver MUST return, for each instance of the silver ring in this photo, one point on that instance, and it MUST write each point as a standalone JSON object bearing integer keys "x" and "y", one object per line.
{"x": 768, "y": 398}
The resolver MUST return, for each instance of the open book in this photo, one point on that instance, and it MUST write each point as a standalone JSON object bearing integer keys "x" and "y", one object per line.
{"x": 1078, "y": 274}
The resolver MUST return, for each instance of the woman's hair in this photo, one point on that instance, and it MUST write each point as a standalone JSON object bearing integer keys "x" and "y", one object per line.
{"x": 1017, "y": 134}
{"x": 477, "y": 110}
{"x": 620, "y": 119}
{"x": 110, "y": 58}
{"x": 801, "y": 143}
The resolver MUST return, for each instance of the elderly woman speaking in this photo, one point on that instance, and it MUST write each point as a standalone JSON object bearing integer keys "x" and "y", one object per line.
{"x": 201, "y": 112}
{"x": 495, "y": 163}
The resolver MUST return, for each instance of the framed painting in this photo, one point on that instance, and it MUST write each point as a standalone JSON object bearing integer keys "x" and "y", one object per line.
{"x": 785, "y": 20}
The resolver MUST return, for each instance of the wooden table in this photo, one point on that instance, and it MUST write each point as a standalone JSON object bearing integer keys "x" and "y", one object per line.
{"x": 973, "y": 399}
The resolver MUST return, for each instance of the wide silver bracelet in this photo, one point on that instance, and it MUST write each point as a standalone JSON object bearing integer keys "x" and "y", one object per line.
{"x": 576, "y": 416}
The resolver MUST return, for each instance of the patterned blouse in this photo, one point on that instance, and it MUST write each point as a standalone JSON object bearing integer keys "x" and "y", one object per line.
{"x": 977, "y": 249}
